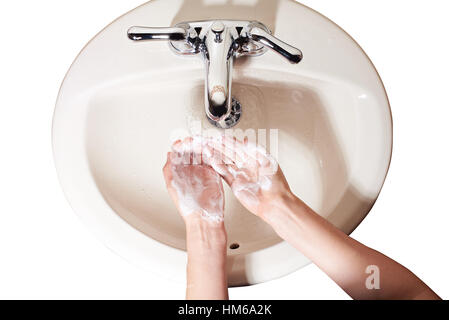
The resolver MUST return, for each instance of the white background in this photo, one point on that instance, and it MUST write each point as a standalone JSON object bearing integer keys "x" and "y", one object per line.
{"x": 45, "y": 251}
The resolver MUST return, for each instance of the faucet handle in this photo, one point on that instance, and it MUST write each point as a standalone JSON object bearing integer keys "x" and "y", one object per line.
{"x": 289, "y": 52}
{"x": 146, "y": 33}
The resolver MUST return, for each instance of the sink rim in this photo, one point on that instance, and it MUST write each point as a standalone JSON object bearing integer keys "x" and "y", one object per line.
{"x": 79, "y": 203}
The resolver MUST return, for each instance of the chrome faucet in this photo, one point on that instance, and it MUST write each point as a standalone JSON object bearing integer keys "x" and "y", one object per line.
{"x": 219, "y": 42}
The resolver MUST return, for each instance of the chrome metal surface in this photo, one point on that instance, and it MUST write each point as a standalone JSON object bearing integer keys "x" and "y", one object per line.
{"x": 219, "y": 42}
{"x": 145, "y": 33}
{"x": 234, "y": 116}
{"x": 259, "y": 35}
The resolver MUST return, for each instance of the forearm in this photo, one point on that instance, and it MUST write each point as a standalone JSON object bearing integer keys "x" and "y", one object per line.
{"x": 341, "y": 257}
{"x": 206, "y": 267}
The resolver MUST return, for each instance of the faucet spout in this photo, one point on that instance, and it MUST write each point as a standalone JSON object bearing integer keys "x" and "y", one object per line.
{"x": 218, "y": 57}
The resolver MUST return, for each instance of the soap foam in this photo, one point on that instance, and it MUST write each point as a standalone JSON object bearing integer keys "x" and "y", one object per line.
{"x": 197, "y": 186}
{"x": 252, "y": 169}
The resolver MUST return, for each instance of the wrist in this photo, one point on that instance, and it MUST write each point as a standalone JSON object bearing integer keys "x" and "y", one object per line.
{"x": 282, "y": 208}
{"x": 203, "y": 234}
{"x": 197, "y": 221}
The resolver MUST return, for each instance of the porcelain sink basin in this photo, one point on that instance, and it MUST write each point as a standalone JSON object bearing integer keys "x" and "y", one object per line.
{"x": 122, "y": 104}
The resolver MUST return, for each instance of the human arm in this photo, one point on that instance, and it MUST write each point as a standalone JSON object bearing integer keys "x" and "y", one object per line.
{"x": 197, "y": 192}
{"x": 260, "y": 185}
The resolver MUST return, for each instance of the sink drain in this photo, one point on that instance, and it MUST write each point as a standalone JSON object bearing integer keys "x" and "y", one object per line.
{"x": 234, "y": 246}
{"x": 233, "y": 119}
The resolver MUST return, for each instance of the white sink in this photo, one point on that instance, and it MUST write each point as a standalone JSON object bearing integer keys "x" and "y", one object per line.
{"x": 122, "y": 102}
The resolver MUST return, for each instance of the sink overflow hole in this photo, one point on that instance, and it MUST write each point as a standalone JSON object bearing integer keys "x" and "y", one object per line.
{"x": 234, "y": 246}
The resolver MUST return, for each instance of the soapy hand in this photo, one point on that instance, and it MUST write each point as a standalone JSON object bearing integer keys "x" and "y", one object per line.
{"x": 195, "y": 187}
{"x": 253, "y": 175}
{"x": 197, "y": 191}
